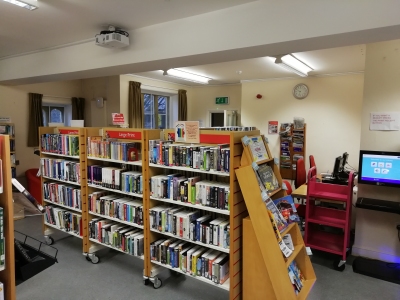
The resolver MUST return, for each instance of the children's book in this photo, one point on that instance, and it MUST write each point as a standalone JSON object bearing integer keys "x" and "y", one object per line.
{"x": 287, "y": 209}
{"x": 267, "y": 177}
{"x": 257, "y": 148}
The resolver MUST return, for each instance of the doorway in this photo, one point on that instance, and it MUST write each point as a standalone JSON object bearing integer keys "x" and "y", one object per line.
{"x": 217, "y": 119}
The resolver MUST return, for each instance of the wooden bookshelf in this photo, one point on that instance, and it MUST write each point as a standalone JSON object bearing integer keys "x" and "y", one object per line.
{"x": 7, "y": 276}
{"x": 48, "y": 228}
{"x": 237, "y": 211}
{"x": 264, "y": 266}
{"x": 290, "y": 173}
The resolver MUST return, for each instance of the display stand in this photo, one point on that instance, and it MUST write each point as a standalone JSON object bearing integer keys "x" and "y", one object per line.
{"x": 265, "y": 270}
{"x": 236, "y": 213}
{"x": 290, "y": 160}
{"x": 7, "y": 276}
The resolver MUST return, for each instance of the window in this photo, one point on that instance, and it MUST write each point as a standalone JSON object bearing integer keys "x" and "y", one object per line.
{"x": 53, "y": 114}
{"x": 156, "y": 113}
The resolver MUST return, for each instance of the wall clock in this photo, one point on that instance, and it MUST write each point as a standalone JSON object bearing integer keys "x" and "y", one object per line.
{"x": 300, "y": 91}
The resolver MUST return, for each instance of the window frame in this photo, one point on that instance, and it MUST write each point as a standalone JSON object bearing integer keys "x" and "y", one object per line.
{"x": 155, "y": 98}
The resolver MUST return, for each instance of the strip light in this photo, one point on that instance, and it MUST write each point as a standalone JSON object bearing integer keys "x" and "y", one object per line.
{"x": 186, "y": 76}
{"x": 291, "y": 63}
{"x": 22, "y": 4}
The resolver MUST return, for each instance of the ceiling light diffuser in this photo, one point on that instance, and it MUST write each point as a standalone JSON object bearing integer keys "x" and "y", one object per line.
{"x": 291, "y": 63}
{"x": 22, "y": 4}
{"x": 186, "y": 76}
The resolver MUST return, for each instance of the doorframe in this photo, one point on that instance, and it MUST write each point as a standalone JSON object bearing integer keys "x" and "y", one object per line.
{"x": 211, "y": 111}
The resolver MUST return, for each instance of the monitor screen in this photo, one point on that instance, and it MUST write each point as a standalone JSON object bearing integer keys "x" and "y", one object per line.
{"x": 379, "y": 168}
{"x": 337, "y": 166}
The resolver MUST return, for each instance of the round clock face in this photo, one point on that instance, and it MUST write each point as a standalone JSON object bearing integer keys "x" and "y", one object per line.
{"x": 300, "y": 91}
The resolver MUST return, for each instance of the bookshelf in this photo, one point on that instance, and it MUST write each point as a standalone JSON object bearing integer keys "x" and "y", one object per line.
{"x": 9, "y": 129}
{"x": 112, "y": 158}
{"x": 63, "y": 150}
{"x": 236, "y": 213}
{"x": 262, "y": 257}
{"x": 289, "y": 150}
{"x": 7, "y": 275}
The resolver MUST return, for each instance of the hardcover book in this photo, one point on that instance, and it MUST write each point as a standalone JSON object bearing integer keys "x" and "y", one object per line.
{"x": 257, "y": 148}
{"x": 267, "y": 177}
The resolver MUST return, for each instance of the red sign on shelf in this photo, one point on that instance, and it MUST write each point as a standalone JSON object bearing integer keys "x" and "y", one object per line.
{"x": 208, "y": 138}
{"x": 127, "y": 135}
{"x": 68, "y": 131}
{"x": 118, "y": 119}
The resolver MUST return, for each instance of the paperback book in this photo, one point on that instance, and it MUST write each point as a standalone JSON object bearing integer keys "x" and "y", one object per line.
{"x": 287, "y": 209}
{"x": 267, "y": 177}
{"x": 257, "y": 148}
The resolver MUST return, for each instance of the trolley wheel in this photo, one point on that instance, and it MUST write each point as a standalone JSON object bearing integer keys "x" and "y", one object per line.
{"x": 339, "y": 265}
{"x": 88, "y": 258}
{"x": 157, "y": 283}
{"x": 49, "y": 240}
{"x": 146, "y": 281}
{"x": 95, "y": 259}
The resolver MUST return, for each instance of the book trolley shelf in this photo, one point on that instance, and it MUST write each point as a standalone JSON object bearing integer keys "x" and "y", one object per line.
{"x": 236, "y": 213}
{"x": 7, "y": 275}
{"x": 288, "y": 162}
{"x": 49, "y": 157}
{"x": 265, "y": 269}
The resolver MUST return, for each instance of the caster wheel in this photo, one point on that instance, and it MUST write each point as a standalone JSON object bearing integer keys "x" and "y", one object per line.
{"x": 146, "y": 281}
{"x": 88, "y": 258}
{"x": 337, "y": 266}
{"x": 49, "y": 240}
{"x": 95, "y": 259}
{"x": 157, "y": 283}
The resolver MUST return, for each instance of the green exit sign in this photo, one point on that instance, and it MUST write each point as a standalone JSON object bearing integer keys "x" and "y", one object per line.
{"x": 222, "y": 100}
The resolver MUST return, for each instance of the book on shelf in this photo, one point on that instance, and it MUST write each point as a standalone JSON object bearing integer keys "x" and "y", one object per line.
{"x": 66, "y": 144}
{"x": 1, "y": 174}
{"x": 284, "y": 248}
{"x": 296, "y": 277}
{"x": 113, "y": 149}
{"x": 267, "y": 177}
{"x": 1, "y": 291}
{"x": 2, "y": 241}
{"x": 62, "y": 194}
{"x": 257, "y": 148}
{"x": 287, "y": 209}
{"x": 279, "y": 220}
{"x": 64, "y": 219}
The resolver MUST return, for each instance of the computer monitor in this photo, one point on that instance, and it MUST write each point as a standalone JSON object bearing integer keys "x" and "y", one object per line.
{"x": 337, "y": 166}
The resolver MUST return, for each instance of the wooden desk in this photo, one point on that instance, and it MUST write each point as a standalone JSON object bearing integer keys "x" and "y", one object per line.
{"x": 300, "y": 192}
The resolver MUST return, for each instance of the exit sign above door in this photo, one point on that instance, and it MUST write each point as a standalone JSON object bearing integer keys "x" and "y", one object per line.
{"x": 222, "y": 100}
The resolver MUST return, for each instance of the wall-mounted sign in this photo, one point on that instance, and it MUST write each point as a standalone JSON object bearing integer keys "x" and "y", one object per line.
{"x": 272, "y": 127}
{"x": 118, "y": 119}
{"x": 187, "y": 132}
{"x": 121, "y": 134}
{"x": 222, "y": 100}
{"x": 5, "y": 119}
{"x": 384, "y": 121}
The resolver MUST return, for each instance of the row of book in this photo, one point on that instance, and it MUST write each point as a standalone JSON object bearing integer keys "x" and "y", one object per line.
{"x": 296, "y": 277}
{"x": 62, "y": 194}
{"x": 116, "y": 179}
{"x": 112, "y": 149}
{"x": 190, "y": 225}
{"x": 125, "y": 238}
{"x": 12, "y": 145}
{"x": 191, "y": 259}
{"x": 60, "y": 169}
{"x": 7, "y": 129}
{"x": 116, "y": 206}
{"x": 201, "y": 157}
{"x": 190, "y": 190}
{"x": 65, "y": 144}
{"x": 2, "y": 241}
{"x": 64, "y": 219}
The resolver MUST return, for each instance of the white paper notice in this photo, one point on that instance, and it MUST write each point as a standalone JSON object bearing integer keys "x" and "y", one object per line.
{"x": 384, "y": 121}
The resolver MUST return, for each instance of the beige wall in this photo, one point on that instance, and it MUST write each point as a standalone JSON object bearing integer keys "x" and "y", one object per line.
{"x": 202, "y": 100}
{"x": 376, "y": 234}
{"x": 106, "y": 87}
{"x": 332, "y": 112}
{"x": 14, "y": 103}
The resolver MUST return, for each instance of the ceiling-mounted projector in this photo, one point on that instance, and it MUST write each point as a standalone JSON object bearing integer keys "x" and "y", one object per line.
{"x": 112, "y": 38}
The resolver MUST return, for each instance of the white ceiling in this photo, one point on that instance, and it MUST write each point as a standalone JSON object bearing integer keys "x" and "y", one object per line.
{"x": 63, "y": 22}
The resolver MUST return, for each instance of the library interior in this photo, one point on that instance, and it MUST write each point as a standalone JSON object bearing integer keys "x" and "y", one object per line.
{"x": 170, "y": 149}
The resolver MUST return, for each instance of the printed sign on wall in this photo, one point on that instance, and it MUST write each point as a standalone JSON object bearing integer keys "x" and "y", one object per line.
{"x": 384, "y": 121}
{"x": 187, "y": 132}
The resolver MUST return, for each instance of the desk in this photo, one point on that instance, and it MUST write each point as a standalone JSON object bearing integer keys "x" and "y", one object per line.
{"x": 300, "y": 192}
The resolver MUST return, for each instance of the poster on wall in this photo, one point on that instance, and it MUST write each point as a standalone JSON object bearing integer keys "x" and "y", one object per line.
{"x": 272, "y": 127}
{"x": 384, "y": 121}
{"x": 118, "y": 119}
{"x": 187, "y": 132}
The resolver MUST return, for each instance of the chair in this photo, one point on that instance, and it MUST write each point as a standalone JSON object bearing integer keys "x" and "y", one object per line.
{"x": 34, "y": 186}
{"x": 312, "y": 163}
{"x": 301, "y": 176}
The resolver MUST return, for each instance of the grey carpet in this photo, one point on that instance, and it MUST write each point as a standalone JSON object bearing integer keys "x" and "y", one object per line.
{"x": 119, "y": 276}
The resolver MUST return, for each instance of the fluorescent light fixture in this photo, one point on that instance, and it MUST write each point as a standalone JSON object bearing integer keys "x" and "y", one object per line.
{"x": 22, "y": 4}
{"x": 186, "y": 76}
{"x": 291, "y": 63}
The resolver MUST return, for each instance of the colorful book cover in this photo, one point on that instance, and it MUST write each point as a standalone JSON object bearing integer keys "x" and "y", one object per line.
{"x": 280, "y": 221}
{"x": 267, "y": 177}
{"x": 257, "y": 148}
{"x": 287, "y": 208}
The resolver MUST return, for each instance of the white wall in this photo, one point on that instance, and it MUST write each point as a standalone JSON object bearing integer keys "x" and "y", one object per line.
{"x": 376, "y": 233}
{"x": 14, "y": 103}
{"x": 202, "y": 100}
{"x": 332, "y": 112}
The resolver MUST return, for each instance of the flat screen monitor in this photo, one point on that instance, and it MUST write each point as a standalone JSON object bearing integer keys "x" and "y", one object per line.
{"x": 380, "y": 168}
{"x": 337, "y": 166}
